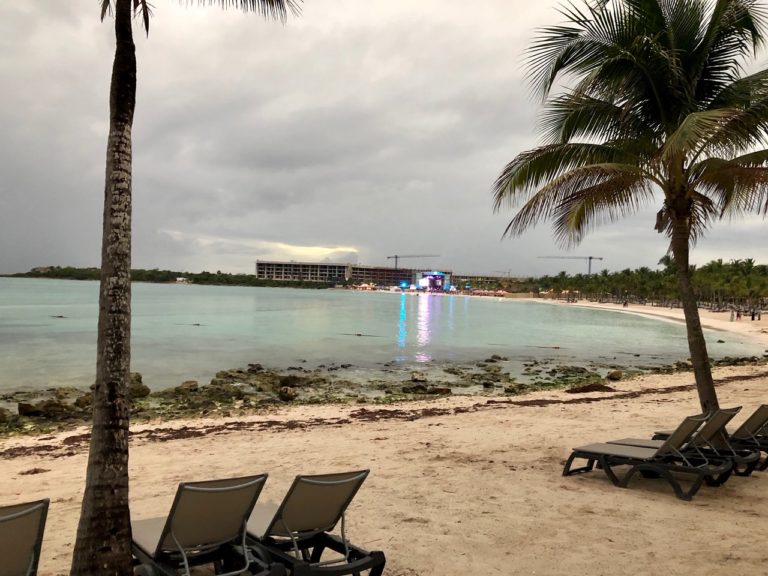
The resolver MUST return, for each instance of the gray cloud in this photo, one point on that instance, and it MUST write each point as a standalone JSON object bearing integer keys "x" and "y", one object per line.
{"x": 360, "y": 130}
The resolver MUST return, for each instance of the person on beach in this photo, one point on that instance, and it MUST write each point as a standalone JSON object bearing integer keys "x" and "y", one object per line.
{"x": 732, "y": 314}
{"x": 738, "y": 314}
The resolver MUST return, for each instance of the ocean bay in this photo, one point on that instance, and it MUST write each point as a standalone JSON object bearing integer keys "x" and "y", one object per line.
{"x": 189, "y": 332}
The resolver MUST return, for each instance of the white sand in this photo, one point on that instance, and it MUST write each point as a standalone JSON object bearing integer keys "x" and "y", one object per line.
{"x": 478, "y": 491}
{"x": 754, "y": 329}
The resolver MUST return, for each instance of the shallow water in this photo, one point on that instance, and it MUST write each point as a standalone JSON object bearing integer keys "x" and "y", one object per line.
{"x": 189, "y": 332}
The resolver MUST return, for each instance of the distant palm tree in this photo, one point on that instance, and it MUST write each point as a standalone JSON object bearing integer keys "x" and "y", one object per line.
{"x": 659, "y": 105}
{"x": 103, "y": 545}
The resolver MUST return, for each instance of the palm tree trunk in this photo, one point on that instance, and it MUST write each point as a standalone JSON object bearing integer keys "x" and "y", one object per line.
{"x": 696, "y": 343}
{"x": 103, "y": 544}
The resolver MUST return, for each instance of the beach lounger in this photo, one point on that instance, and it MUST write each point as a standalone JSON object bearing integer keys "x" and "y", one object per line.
{"x": 753, "y": 433}
{"x": 751, "y": 436}
{"x": 667, "y": 461}
{"x": 21, "y": 537}
{"x": 709, "y": 444}
{"x": 297, "y": 531}
{"x": 206, "y": 525}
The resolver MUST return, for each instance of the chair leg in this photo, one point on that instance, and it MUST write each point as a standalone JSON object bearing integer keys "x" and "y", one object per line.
{"x": 682, "y": 494}
{"x": 567, "y": 471}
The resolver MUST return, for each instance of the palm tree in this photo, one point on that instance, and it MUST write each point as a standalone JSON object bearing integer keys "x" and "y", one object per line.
{"x": 660, "y": 106}
{"x": 103, "y": 543}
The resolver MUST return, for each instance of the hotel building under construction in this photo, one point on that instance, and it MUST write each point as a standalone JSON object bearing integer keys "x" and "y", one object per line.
{"x": 335, "y": 273}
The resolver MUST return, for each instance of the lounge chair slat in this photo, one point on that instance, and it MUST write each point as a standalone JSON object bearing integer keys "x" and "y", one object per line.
{"x": 21, "y": 537}
{"x": 635, "y": 452}
{"x": 206, "y": 521}
{"x": 297, "y": 532}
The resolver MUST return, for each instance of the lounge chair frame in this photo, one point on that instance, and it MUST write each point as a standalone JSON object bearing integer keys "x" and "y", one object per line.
{"x": 22, "y": 511}
{"x": 224, "y": 555}
{"x": 711, "y": 442}
{"x": 301, "y": 551}
{"x": 665, "y": 461}
{"x": 753, "y": 435}
{"x": 664, "y": 468}
{"x": 743, "y": 447}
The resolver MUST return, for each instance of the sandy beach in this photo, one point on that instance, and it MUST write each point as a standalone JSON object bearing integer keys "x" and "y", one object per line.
{"x": 459, "y": 485}
{"x": 756, "y": 330}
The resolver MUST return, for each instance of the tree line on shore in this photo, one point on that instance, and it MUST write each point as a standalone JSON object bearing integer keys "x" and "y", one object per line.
{"x": 170, "y": 276}
{"x": 717, "y": 284}
{"x": 740, "y": 283}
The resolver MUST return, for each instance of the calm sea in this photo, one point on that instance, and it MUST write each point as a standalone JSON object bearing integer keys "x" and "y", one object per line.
{"x": 48, "y": 331}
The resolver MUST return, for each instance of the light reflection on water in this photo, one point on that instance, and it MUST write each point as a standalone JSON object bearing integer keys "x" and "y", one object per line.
{"x": 190, "y": 332}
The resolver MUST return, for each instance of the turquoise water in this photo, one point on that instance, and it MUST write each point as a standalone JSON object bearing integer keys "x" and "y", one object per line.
{"x": 190, "y": 332}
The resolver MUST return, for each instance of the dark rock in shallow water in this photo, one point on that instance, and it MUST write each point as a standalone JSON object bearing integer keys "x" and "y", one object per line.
{"x": 453, "y": 370}
{"x": 415, "y": 389}
{"x": 51, "y": 408}
{"x": 5, "y": 416}
{"x": 85, "y": 401}
{"x": 293, "y": 381}
{"x": 572, "y": 370}
{"x": 440, "y": 390}
{"x": 286, "y": 393}
{"x": 255, "y": 368}
{"x": 418, "y": 377}
{"x": 190, "y": 386}
{"x": 136, "y": 388}
{"x": 615, "y": 375}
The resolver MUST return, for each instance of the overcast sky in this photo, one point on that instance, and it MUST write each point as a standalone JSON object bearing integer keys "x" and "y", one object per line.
{"x": 362, "y": 129}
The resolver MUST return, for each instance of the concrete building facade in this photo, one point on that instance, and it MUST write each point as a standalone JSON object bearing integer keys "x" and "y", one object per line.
{"x": 336, "y": 273}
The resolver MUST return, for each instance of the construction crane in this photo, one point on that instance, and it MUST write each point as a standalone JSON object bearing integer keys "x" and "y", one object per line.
{"x": 587, "y": 258}
{"x": 398, "y": 256}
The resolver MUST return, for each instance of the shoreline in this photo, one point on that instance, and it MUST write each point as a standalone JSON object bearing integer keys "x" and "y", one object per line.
{"x": 243, "y": 391}
{"x": 756, "y": 330}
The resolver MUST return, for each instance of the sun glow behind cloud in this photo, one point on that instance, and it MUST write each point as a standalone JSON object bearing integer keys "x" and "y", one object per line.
{"x": 239, "y": 254}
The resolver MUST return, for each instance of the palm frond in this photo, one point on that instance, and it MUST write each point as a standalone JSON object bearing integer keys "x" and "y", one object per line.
{"x": 578, "y": 115}
{"x": 738, "y": 185}
{"x": 270, "y": 9}
{"x": 106, "y": 8}
{"x": 695, "y": 131}
{"x": 531, "y": 169}
{"x": 549, "y": 201}
{"x": 658, "y": 96}
{"x": 145, "y": 9}
{"x": 616, "y": 196}
{"x": 735, "y": 30}
{"x": 740, "y": 132}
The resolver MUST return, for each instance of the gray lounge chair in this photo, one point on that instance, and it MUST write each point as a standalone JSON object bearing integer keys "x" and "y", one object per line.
{"x": 751, "y": 436}
{"x": 666, "y": 461}
{"x": 709, "y": 444}
{"x": 206, "y": 525}
{"x": 297, "y": 531}
{"x": 21, "y": 537}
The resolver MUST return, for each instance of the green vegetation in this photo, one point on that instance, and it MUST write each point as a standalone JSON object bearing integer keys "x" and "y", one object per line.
{"x": 739, "y": 283}
{"x": 218, "y": 278}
